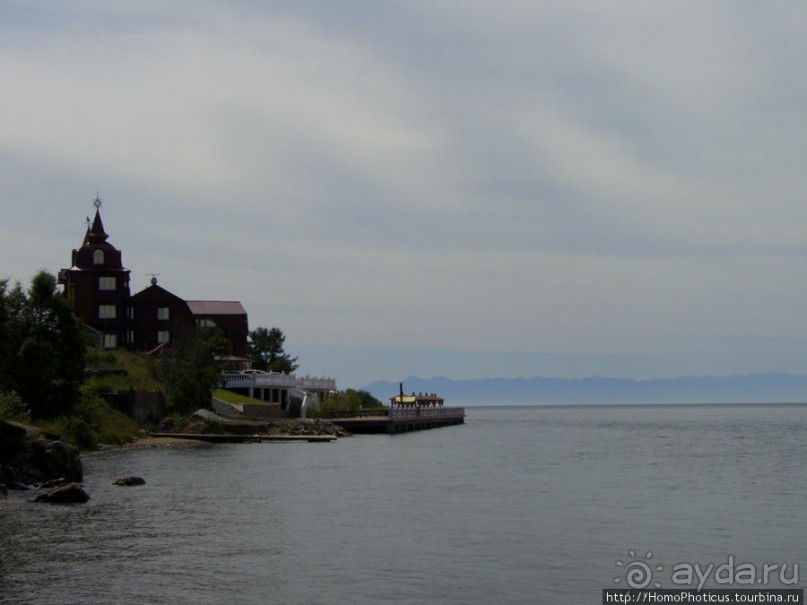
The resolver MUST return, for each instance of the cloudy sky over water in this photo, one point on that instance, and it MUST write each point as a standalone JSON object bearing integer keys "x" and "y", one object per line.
{"x": 467, "y": 188}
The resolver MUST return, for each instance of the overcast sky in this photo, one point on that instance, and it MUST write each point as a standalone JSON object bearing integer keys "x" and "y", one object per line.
{"x": 467, "y": 188}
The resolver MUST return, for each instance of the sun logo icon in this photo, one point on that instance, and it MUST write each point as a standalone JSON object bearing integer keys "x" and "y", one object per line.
{"x": 638, "y": 573}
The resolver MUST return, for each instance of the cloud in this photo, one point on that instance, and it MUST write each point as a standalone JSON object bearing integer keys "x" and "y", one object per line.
{"x": 526, "y": 177}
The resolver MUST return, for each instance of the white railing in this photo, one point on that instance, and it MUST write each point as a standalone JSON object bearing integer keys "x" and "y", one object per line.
{"x": 427, "y": 412}
{"x": 235, "y": 377}
{"x": 314, "y": 383}
{"x": 277, "y": 380}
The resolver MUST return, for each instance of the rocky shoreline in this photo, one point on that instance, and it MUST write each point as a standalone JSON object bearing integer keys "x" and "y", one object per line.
{"x": 281, "y": 426}
{"x": 31, "y": 459}
{"x": 38, "y": 462}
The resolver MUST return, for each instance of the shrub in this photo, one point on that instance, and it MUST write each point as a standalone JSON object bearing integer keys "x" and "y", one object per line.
{"x": 115, "y": 438}
{"x": 13, "y": 408}
{"x": 75, "y": 430}
{"x": 350, "y": 400}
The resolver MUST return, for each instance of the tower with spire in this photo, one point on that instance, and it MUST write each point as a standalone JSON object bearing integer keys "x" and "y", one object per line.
{"x": 98, "y": 284}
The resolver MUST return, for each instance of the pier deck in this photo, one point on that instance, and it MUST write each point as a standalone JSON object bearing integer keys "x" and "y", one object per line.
{"x": 402, "y": 421}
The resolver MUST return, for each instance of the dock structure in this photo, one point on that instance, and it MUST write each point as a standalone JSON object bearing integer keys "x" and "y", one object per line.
{"x": 399, "y": 420}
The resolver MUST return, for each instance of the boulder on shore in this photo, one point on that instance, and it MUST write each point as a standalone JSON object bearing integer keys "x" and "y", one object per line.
{"x": 28, "y": 456}
{"x": 69, "y": 493}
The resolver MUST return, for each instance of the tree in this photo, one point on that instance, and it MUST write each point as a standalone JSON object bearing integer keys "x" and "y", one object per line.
{"x": 190, "y": 372}
{"x": 43, "y": 356}
{"x": 12, "y": 327}
{"x": 350, "y": 400}
{"x": 266, "y": 351}
{"x": 5, "y": 338}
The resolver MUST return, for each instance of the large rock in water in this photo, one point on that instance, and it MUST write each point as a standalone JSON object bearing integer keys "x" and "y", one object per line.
{"x": 130, "y": 481}
{"x": 70, "y": 493}
{"x": 27, "y": 455}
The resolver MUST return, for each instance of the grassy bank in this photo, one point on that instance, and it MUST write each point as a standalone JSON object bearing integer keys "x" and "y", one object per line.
{"x": 92, "y": 421}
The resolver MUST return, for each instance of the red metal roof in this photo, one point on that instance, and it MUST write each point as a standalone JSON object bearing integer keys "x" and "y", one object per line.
{"x": 216, "y": 307}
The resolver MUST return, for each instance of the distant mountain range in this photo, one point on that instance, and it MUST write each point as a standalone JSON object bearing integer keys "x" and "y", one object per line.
{"x": 745, "y": 388}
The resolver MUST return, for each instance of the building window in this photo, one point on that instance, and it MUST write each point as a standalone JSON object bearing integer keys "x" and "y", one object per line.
{"x": 130, "y": 312}
{"x": 98, "y": 257}
{"x": 107, "y": 283}
{"x": 107, "y": 312}
{"x": 130, "y": 337}
{"x": 207, "y": 323}
{"x": 110, "y": 341}
{"x": 163, "y": 337}
{"x": 163, "y": 313}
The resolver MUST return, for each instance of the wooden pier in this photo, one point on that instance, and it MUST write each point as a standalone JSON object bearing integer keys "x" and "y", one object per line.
{"x": 401, "y": 420}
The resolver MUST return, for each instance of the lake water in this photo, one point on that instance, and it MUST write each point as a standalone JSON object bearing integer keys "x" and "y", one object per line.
{"x": 519, "y": 505}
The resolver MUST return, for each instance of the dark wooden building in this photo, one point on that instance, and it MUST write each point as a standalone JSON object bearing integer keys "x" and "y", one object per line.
{"x": 98, "y": 284}
{"x": 157, "y": 317}
{"x": 227, "y": 315}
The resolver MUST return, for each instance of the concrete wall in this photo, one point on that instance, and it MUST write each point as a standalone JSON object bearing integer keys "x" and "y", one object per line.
{"x": 143, "y": 406}
{"x": 262, "y": 410}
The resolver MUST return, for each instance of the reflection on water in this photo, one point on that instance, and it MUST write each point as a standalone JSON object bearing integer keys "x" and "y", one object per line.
{"x": 518, "y": 505}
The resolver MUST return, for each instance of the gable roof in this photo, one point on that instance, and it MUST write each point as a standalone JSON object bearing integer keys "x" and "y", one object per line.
{"x": 155, "y": 294}
{"x": 216, "y": 307}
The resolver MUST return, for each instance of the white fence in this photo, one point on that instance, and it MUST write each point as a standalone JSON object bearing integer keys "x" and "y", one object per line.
{"x": 427, "y": 412}
{"x": 276, "y": 380}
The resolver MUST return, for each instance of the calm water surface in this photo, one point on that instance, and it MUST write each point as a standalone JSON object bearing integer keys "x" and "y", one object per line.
{"x": 519, "y": 505}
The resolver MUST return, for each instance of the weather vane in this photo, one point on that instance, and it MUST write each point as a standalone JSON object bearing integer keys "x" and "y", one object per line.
{"x": 97, "y": 201}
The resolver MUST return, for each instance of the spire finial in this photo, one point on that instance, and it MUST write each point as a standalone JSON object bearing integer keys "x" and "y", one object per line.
{"x": 96, "y": 231}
